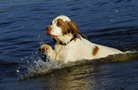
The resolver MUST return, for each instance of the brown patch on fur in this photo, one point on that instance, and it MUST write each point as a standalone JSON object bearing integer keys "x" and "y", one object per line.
{"x": 95, "y": 51}
{"x": 75, "y": 39}
{"x": 73, "y": 27}
{"x": 60, "y": 22}
{"x": 64, "y": 26}
{"x": 43, "y": 48}
{"x": 69, "y": 27}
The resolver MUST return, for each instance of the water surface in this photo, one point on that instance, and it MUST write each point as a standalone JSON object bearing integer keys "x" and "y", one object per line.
{"x": 111, "y": 23}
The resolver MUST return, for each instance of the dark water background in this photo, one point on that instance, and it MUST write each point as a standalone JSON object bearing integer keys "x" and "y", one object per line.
{"x": 112, "y": 23}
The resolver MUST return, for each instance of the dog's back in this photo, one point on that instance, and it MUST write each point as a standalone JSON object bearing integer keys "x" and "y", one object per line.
{"x": 81, "y": 48}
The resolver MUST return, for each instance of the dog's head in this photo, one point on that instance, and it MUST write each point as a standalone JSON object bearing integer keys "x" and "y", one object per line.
{"x": 62, "y": 29}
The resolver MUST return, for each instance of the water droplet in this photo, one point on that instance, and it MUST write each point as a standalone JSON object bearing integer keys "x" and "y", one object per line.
{"x": 27, "y": 61}
{"x": 26, "y": 57}
{"x": 116, "y": 10}
{"x": 36, "y": 52}
{"x": 17, "y": 70}
{"x": 111, "y": 20}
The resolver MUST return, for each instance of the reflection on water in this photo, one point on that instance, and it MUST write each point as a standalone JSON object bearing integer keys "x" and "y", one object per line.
{"x": 84, "y": 75}
{"x": 72, "y": 78}
{"x": 90, "y": 76}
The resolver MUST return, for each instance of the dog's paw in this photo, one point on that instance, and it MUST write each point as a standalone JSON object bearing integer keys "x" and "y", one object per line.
{"x": 44, "y": 48}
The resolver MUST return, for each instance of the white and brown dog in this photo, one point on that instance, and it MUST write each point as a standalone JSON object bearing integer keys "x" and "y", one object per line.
{"x": 71, "y": 44}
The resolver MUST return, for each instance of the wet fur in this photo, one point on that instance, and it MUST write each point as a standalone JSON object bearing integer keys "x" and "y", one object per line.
{"x": 63, "y": 30}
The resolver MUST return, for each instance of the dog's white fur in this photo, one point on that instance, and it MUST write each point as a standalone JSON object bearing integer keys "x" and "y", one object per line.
{"x": 78, "y": 48}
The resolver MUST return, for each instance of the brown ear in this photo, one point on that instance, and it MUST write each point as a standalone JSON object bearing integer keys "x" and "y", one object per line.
{"x": 74, "y": 29}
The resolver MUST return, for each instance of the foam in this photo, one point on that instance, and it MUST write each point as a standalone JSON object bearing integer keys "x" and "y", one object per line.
{"x": 35, "y": 65}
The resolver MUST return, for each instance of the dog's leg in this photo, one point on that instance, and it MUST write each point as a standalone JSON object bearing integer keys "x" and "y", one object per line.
{"x": 46, "y": 49}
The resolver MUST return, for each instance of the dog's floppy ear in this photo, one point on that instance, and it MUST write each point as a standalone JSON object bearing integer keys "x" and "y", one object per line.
{"x": 74, "y": 29}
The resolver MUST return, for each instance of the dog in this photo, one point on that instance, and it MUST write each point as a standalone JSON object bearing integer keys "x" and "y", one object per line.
{"x": 71, "y": 45}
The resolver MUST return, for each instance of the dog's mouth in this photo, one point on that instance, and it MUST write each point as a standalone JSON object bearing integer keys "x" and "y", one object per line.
{"x": 49, "y": 34}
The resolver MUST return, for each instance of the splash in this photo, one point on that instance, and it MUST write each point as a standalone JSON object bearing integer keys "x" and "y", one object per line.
{"x": 35, "y": 65}
{"x": 41, "y": 40}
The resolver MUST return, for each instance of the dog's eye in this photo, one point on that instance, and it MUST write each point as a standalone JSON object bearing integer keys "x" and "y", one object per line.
{"x": 58, "y": 24}
{"x": 51, "y": 23}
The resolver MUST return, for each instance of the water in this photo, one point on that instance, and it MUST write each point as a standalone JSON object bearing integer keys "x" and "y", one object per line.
{"x": 112, "y": 23}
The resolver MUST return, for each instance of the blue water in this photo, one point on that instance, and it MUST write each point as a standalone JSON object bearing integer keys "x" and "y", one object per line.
{"x": 111, "y": 23}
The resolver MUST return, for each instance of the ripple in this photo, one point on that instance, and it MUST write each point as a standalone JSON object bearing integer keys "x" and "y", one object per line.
{"x": 6, "y": 63}
{"x": 110, "y": 23}
{"x": 37, "y": 65}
